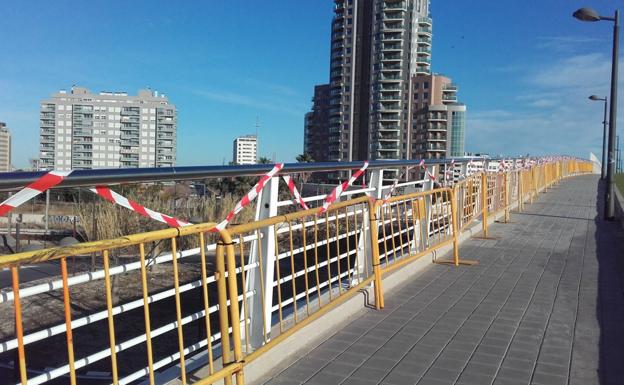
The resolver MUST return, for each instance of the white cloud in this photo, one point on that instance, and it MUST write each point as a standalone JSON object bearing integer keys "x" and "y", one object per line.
{"x": 564, "y": 43}
{"x": 248, "y": 101}
{"x": 556, "y": 117}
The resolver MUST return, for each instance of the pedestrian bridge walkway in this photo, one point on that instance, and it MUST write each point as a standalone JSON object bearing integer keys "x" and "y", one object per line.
{"x": 545, "y": 305}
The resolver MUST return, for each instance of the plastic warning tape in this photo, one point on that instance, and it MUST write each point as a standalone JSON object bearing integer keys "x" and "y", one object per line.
{"x": 449, "y": 171}
{"x": 46, "y": 182}
{"x": 251, "y": 195}
{"x": 338, "y": 190}
{"x": 293, "y": 190}
{"x": 396, "y": 182}
{"x": 115, "y": 198}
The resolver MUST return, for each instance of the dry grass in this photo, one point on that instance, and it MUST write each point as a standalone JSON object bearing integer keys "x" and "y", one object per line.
{"x": 104, "y": 220}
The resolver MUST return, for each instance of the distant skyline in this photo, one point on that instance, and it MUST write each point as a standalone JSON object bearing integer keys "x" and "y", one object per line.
{"x": 525, "y": 70}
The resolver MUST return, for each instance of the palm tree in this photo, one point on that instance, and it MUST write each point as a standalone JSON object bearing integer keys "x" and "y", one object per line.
{"x": 305, "y": 158}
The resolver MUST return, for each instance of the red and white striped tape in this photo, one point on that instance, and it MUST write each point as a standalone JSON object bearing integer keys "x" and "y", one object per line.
{"x": 251, "y": 195}
{"x": 115, "y": 198}
{"x": 396, "y": 182}
{"x": 430, "y": 175}
{"x": 449, "y": 170}
{"x": 42, "y": 184}
{"x": 335, "y": 194}
{"x": 293, "y": 190}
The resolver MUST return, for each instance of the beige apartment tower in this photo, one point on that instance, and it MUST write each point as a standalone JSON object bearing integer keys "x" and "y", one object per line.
{"x": 438, "y": 120}
{"x": 83, "y": 130}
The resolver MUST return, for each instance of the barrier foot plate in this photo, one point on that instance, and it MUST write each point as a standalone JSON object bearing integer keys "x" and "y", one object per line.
{"x": 488, "y": 238}
{"x": 465, "y": 262}
{"x": 503, "y": 222}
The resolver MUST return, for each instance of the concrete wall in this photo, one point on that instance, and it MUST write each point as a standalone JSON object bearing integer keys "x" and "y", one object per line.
{"x": 619, "y": 206}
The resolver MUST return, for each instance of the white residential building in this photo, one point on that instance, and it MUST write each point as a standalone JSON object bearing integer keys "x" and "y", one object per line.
{"x": 245, "y": 150}
{"x": 84, "y": 130}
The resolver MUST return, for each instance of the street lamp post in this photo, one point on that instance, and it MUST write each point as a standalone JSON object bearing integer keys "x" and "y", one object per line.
{"x": 588, "y": 14}
{"x": 603, "y": 169}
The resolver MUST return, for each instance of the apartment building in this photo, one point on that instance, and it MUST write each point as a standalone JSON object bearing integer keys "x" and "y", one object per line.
{"x": 5, "y": 148}
{"x": 316, "y": 125}
{"x": 84, "y": 130}
{"x": 245, "y": 150}
{"x": 438, "y": 121}
{"x": 379, "y": 48}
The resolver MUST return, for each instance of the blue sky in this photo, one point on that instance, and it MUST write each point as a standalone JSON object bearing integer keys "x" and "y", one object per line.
{"x": 524, "y": 76}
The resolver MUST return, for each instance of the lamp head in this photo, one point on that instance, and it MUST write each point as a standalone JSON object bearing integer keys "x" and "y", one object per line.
{"x": 595, "y": 97}
{"x": 586, "y": 14}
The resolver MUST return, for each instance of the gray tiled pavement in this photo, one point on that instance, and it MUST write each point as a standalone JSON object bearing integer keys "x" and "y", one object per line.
{"x": 545, "y": 306}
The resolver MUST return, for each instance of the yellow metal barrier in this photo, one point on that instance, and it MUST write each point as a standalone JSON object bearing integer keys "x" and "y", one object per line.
{"x": 320, "y": 261}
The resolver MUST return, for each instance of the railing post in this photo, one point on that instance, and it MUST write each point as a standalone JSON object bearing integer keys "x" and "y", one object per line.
{"x": 223, "y": 308}
{"x": 365, "y": 245}
{"x": 454, "y": 204}
{"x": 520, "y": 197}
{"x": 506, "y": 194}
{"x": 262, "y": 252}
{"x": 533, "y": 188}
{"x": 428, "y": 186}
{"x": 232, "y": 286}
{"x": 374, "y": 247}
{"x": 484, "y": 205}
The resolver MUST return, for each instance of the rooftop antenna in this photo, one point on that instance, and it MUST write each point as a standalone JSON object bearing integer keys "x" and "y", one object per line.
{"x": 257, "y": 126}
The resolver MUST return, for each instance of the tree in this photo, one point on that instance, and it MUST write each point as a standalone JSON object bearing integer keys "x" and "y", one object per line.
{"x": 305, "y": 158}
{"x": 264, "y": 160}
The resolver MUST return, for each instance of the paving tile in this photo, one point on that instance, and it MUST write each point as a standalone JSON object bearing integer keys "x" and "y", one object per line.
{"x": 517, "y": 309}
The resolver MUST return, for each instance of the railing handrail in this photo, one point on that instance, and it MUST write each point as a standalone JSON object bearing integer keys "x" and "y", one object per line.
{"x": 85, "y": 178}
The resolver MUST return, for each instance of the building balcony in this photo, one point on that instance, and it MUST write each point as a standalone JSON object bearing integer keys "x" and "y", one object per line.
{"x": 435, "y": 147}
{"x": 339, "y": 45}
{"x": 398, "y": 5}
{"x": 393, "y": 15}
{"x": 450, "y": 87}
{"x": 424, "y": 30}
{"x": 394, "y": 96}
{"x": 338, "y": 26}
{"x": 393, "y": 78}
{"x": 449, "y": 98}
{"x": 389, "y": 128}
{"x": 391, "y": 67}
{"x": 423, "y": 60}
{"x": 391, "y": 47}
{"x": 389, "y": 137}
{"x": 423, "y": 70}
{"x": 395, "y": 36}
{"x": 424, "y": 21}
{"x": 389, "y": 117}
{"x": 423, "y": 50}
{"x": 389, "y": 88}
{"x": 387, "y": 155}
{"x": 437, "y": 118}
{"x": 393, "y": 26}
{"x": 391, "y": 57}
